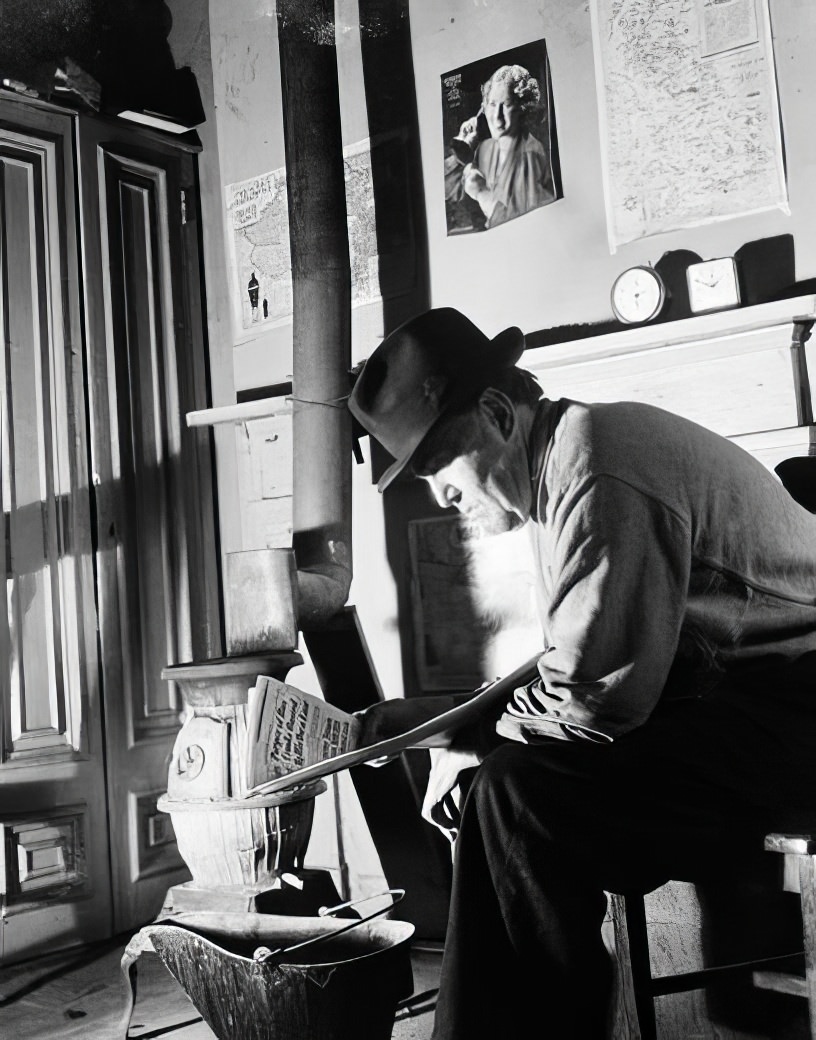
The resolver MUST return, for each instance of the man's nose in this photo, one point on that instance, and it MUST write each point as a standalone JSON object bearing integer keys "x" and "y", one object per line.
{"x": 445, "y": 495}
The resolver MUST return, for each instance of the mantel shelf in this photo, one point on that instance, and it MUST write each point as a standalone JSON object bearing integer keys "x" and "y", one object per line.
{"x": 701, "y": 328}
{"x": 740, "y": 372}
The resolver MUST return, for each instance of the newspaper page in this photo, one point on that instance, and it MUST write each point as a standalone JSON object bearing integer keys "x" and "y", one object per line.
{"x": 403, "y": 723}
{"x": 289, "y": 729}
{"x": 689, "y": 113}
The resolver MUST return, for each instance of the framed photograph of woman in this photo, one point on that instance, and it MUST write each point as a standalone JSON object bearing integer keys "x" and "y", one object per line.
{"x": 501, "y": 150}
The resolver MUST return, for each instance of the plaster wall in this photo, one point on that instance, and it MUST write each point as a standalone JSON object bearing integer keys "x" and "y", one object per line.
{"x": 247, "y": 97}
{"x": 190, "y": 43}
{"x": 553, "y": 266}
{"x": 557, "y": 267}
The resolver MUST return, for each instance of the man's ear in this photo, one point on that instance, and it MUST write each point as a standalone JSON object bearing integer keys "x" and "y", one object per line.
{"x": 498, "y": 409}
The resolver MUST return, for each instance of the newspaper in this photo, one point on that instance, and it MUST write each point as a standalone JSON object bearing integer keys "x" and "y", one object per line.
{"x": 301, "y": 738}
{"x": 288, "y": 729}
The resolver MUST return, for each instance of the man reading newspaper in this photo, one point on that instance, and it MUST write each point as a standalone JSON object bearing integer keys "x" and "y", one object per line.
{"x": 674, "y": 714}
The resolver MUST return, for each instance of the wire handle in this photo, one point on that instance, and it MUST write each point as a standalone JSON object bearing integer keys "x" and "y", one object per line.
{"x": 263, "y": 953}
{"x": 399, "y": 893}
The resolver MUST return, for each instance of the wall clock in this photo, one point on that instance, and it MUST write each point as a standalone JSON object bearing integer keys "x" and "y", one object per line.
{"x": 713, "y": 285}
{"x": 638, "y": 295}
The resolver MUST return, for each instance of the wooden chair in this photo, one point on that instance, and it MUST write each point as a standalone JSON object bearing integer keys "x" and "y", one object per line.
{"x": 792, "y": 974}
{"x": 787, "y": 973}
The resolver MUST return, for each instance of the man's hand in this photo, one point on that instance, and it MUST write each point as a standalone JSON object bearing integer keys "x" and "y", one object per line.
{"x": 443, "y": 796}
{"x": 390, "y": 718}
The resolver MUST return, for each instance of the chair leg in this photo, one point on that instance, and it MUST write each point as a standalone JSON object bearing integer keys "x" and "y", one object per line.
{"x": 632, "y": 948}
{"x": 807, "y": 884}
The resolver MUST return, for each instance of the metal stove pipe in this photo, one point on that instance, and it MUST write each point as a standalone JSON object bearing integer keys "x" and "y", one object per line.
{"x": 321, "y": 275}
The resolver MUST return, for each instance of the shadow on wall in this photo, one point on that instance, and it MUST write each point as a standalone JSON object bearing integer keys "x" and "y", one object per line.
{"x": 421, "y": 866}
{"x": 396, "y": 162}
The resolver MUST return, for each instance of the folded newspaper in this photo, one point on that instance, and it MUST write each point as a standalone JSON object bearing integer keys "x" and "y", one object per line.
{"x": 291, "y": 730}
{"x": 295, "y": 737}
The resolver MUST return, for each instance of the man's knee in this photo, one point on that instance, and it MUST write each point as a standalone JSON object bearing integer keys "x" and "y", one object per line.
{"x": 538, "y": 804}
{"x": 505, "y": 766}
{"x": 554, "y": 780}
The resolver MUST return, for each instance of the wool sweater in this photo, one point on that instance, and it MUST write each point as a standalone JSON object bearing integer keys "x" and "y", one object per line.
{"x": 669, "y": 561}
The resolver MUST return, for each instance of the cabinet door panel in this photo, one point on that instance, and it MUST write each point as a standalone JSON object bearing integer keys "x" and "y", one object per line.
{"x": 54, "y": 874}
{"x": 156, "y": 542}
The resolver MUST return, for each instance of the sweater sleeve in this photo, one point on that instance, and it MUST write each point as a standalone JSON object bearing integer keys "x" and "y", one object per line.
{"x": 616, "y": 566}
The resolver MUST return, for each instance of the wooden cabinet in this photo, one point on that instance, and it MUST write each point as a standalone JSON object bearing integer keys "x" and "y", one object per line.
{"x": 108, "y": 516}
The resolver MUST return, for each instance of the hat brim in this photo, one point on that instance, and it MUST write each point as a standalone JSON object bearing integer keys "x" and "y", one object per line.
{"x": 505, "y": 350}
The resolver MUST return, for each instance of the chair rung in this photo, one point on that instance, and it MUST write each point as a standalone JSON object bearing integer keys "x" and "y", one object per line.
{"x": 781, "y": 982}
{"x": 662, "y": 985}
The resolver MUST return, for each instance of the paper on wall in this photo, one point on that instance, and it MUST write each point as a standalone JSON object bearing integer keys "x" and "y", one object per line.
{"x": 258, "y": 243}
{"x": 689, "y": 114}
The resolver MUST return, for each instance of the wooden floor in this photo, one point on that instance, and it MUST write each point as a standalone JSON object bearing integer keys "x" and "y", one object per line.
{"x": 81, "y": 996}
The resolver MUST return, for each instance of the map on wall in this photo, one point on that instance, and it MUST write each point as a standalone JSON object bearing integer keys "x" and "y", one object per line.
{"x": 689, "y": 114}
{"x": 260, "y": 260}
{"x": 260, "y": 265}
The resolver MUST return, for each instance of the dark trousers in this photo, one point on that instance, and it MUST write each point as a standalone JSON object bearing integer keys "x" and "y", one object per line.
{"x": 547, "y": 829}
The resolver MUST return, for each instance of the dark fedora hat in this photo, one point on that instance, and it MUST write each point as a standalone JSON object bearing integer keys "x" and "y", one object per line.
{"x": 427, "y": 366}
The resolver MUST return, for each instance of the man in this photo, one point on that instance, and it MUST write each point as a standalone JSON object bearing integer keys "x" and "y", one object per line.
{"x": 675, "y": 714}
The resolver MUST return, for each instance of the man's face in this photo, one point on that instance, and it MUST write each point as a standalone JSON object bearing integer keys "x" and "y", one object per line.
{"x": 490, "y": 492}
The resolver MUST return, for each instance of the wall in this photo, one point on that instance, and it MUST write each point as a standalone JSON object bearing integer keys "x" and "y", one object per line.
{"x": 189, "y": 41}
{"x": 246, "y": 81}
{"x": 562, "y": 269}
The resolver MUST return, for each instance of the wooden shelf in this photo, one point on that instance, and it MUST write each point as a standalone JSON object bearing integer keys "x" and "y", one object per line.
{"x": 736, "y": 371}
{"x": 700, "y": 329}
{"x": 772, "y": 446}
{"x": 262, "y": 409}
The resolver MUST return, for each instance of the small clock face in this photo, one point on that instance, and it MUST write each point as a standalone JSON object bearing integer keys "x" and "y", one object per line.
{"x": 713, "y": 285}
{"x": 638, "y": 295}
